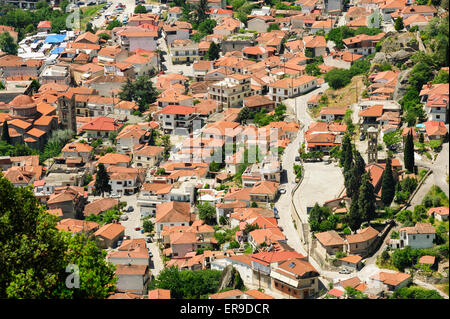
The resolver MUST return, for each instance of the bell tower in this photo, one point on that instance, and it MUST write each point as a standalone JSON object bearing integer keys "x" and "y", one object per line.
{"x": 372, "y": 140}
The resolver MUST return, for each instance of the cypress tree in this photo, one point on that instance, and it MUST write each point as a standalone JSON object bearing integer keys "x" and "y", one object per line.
{"x": 387, "y": 184}
{"x": 366, "y": 199}
{"x": 5, "y": 133}
{"x": 353, "y": 176}
{"x": 213, "y": 51}
{"x": 346, "y": 153}
{"x": 102, "y": 181}
{"x": 408, "y": 152}
{"x": 354, "y": 218}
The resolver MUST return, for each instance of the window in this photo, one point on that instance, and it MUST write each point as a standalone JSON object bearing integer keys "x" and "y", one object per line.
{"x": 428, "y": 236}
{"x": 414, "y": 237}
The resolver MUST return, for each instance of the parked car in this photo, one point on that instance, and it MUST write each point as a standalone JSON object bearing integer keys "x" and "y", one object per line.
{"x": 362, "y": 137}
{"x": 119, "y": 243}
{"x": 150, "y": 253}
{"x": 130, "y": 209}
{"x": 148, "y": 239}
{"x": 282, "y": 191}
{"x": 297, "y": 158}
{"x": 137, "y": 229}
{"x": 344, "y": 271}
{"x": 124, "y": 217}
{"x": 126, "y": 237}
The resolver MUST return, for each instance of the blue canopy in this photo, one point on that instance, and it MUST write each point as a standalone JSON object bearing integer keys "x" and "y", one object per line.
{"x": 421, "y": 125}
{"x": 57, "y": 50}
{"x": 55, "y": 38}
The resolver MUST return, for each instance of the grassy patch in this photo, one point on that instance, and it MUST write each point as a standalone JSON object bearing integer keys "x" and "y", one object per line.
{"x": 87, "y": 13}
{"x": 443, "y": 288}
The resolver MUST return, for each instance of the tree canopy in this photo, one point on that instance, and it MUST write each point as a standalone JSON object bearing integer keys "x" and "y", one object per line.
{"x": 35, "y": 254}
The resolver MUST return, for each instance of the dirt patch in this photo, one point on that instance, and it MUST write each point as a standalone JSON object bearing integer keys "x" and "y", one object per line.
{"x": 343, "y": 97}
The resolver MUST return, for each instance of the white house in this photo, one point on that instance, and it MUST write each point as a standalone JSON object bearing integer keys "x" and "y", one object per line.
{"x": 418, "y": 237}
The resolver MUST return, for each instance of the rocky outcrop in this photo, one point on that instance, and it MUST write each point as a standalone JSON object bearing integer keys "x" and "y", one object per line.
{"x": 402, "y": 83}
{"x": 401, "y": 56}
{"x": 230, "y": 278}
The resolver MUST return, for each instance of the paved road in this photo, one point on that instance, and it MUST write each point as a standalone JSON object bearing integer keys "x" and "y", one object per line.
{"x": 429, "y": 286}
{"x": 440, "y": 171}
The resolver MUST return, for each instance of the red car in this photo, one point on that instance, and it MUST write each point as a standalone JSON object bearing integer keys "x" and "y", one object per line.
{"x": 137, "y": 229}
{"x": 161, "y": 73}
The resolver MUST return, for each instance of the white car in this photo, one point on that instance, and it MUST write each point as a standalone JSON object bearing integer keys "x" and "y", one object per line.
{"x": 344, "y": 271}
{"x": 282, "y": 191}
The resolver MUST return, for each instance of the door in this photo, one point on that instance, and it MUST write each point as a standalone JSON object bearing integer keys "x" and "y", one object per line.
{"x": 305, "y": 294}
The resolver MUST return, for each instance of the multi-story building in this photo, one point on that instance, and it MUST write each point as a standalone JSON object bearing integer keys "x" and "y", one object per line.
{"x": 296, "y": 278}
{"x": 177, "y": 119}
{"x": 231, "y": 91}
{"x": 288, "y": 88}
{"x": 183, "y": 51}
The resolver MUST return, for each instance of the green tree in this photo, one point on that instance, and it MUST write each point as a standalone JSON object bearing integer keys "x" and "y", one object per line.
{"x": 35, "y": 266}
{"x": 104, "y": 36}
{"x": 398, "y": 24}
{"x": 354, "y": 218}
{"x": 213, "y": 52}
{"x": 148, "y": 226}
{"x": 387, "y": 184}
{"x": 102, "y": 181}
{"x": 346, "y": 155}
{"x": 7, "y": 43}
{"x": 338, "y": 78}
{"x": 89, "y": 28}
{"x": 63, "y": 5}
{"x": 244, "y": 115}
{"x": 142, "y": 91}
{"x": 201, "y": 10}
{"x": 416, "y": 293}
{"x": 207, "y": 213}
{"x": 273, "y": 26}
{"x": 366, "y": 199}
{"x": 408, "y": 152}
{"x": 113, "y": 24}
{"x": 140, "y": 9}
{"x": 5, "y": 133}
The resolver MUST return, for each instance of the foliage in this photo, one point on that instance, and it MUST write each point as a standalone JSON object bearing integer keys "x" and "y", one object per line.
{"x": 207, "y": 213}
{"x": 104, "y": 36}
{"x": 408, "y": 152}
{"x": 273, "y": 26}
{"x": 148, "y": 226}
{"x": 106, "y": 217}
{"x": 321, "y": 219}
{"x": 35, "y": 266}
{"x": 101, "y": 181}
{"x": 416, "y": 292}
{"x": 337, "y": 78}
{"x": 213, "y": 52}
{"x": 142, "y": 91}
{"x": 7, "y": 43}
{"x": 435, "y": 198}
{"x": 392, "y": 138}
{"x": 366, "y": 199}
{"x": 388, "y": 184}
{"x": 312, "y": 69}
{"x": 140, "y": 9}
{"x": 114, "y": 24}
{"x": 5, "y": 133}
{"x": 398, "y": 24}
{"x": 441, "y": 77}
{"x": 188, "y": 284}
{"x": 352, "y": 293}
